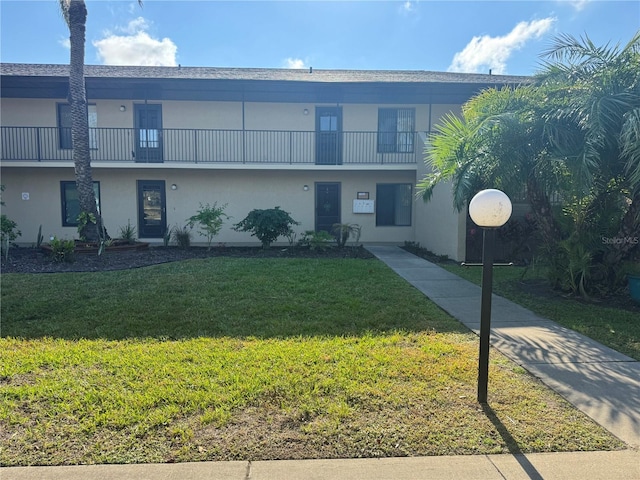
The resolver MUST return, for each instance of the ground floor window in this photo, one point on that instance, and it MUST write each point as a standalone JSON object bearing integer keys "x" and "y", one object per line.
{"x": 71, "y": 204}
{"x": 393, "y": 204}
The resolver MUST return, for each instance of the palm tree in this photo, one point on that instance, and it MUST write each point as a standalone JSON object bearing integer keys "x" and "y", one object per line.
{"x": 601, "y": 91}
{"x": 497, "y": 143}
{"x": 91, "y": 226}
{"x": 91, "y": 223}
{"x": 574, "y": 134}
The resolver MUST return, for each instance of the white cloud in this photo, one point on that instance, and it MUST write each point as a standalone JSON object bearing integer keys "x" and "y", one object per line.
{"x": 408, "y": 6}
{"x": 294, "y": 63}
{"x": 65, "y": 42}
{"x": 579, "y": 5}
{"x": 134, "y": 26}
{"x": 485, "y": 52}
{"x": 135, "y": 47}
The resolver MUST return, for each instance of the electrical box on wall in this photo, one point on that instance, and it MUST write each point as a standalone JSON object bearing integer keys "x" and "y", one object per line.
{"x": 363, "y": 206}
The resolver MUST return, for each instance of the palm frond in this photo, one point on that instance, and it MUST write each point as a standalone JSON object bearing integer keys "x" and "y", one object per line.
{"x": 630, "y": 143}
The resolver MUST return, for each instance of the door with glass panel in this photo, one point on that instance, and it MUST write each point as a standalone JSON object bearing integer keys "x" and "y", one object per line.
{"x": 148, "y": 126}
{"x": 327, "y": 206}
{"x": 152, "y": 209}
{"x": 329, "y": 135}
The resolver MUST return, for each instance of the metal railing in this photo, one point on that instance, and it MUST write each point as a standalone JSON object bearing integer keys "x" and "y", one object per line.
{"x": 45, "y": 144}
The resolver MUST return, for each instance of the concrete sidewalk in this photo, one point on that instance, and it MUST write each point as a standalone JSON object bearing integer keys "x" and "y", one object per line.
{"x": 599, "y": 381}
{"x": 623, "y": 465}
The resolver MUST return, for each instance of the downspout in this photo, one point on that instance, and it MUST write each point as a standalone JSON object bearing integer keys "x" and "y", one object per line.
{"x": 146, "y": 135}
{"x": 244, "y": 139}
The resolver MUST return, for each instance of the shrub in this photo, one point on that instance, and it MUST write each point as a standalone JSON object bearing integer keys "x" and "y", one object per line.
{"x": 266, "y": 225}
{"x": 210, "y": 219}
{"x": 83, "y": 220}
{"x": 62, "y": 250}
{"x": 8, "y": 233}
{"x": 316, "y": 240}
{"x": 343, "y": 231}
{"x": 182, "y": 236}
{"x": 166, "y": 236}
{"x": 128, "y": 233}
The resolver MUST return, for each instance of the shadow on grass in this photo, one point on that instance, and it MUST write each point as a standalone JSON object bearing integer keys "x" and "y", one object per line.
{"x": 512, "y": 444}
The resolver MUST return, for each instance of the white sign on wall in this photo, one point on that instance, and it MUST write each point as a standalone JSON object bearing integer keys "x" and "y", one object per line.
{"x": 363, "y": 206}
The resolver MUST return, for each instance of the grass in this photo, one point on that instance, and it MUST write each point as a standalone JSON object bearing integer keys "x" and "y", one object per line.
{"x": 223, "y": 359}
{"x": 617, "y": 328}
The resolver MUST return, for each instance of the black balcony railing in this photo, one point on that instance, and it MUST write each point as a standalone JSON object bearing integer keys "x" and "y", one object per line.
{"x": 44, "y": 144}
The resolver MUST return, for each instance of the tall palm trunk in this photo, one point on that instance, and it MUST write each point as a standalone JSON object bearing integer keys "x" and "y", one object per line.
{"x": 628, "y": 235}
{"x": 541, "y": 206}
{"x": 75, "y": 14}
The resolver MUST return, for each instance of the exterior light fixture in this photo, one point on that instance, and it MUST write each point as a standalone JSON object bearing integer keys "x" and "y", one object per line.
{"x": 305, "y": 111}
{"x": 489, "y": 209}
{"x": 123, "y": 108}
{"x": 305, "y": 188}
{"x": 174, "y": 186}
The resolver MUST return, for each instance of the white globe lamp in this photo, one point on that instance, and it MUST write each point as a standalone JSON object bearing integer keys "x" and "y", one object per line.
{"x": 490, "y": 208}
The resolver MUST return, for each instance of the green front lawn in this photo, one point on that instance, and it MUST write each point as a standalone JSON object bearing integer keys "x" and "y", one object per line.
{"x": 255, "y": 359}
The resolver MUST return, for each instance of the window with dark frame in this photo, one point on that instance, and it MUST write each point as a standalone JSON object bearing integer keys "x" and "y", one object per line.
{"x": 70, "y": 203}
{"x": 64, "y": 126}
{"x": 396, "y": 130}
{"x": 393, "y": 204}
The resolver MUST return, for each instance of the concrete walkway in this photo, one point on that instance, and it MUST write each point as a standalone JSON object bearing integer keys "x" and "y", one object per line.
{"x": 623, "y": 465}
{"x": 599, "y": 381}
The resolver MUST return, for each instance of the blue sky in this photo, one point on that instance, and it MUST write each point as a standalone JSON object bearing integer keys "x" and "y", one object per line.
{"x": 504, "y": 36}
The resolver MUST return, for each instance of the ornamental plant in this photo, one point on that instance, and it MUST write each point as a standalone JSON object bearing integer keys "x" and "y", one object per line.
{"x": 266, "y": 225}
{"x": 209, "y": 220}
{"x": 8, "y": 231}
{"x": 62, "y": 250}
{"x": 320, "y": 240}
{"x": 343, "y": 231}
{"x": 128, "y": 233}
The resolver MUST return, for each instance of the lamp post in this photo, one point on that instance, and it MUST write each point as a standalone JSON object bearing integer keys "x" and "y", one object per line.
{"x": 489, "y": 209}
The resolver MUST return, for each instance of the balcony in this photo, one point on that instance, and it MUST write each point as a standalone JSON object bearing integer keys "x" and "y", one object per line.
{"x": 182, "y": 146}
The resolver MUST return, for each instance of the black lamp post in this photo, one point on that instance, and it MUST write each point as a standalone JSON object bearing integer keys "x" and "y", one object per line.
{"x": 489, "y": 209}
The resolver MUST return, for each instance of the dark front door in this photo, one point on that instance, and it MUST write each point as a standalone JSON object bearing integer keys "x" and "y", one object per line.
{"x": 152, "y": 218}
{"x": 327, "y": 206}
{"x": 329, "y": 135}
{"x": 148, "y": 118}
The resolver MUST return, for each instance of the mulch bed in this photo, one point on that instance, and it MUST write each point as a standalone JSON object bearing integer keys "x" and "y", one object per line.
{"x": 32, "y": 260}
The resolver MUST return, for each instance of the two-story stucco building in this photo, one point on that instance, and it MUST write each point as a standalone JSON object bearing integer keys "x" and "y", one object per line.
{"x": 328, "y": 146}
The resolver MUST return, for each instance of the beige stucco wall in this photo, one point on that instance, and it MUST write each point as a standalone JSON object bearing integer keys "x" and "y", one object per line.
{"x": 439, "y": 227}
{"x": 241, "y": 190}
{"x": 27, "y": 112}
{"x": 435, "y": 225}
{"x": 206, "y": 115}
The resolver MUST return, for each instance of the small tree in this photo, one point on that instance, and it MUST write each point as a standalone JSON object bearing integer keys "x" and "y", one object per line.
{"x": 8, "y": 231}
{"x": 267, "y": 225}
{"x": 210, "y": 219}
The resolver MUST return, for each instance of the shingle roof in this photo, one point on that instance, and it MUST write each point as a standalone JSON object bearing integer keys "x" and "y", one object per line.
{"x": 261, "y": 74}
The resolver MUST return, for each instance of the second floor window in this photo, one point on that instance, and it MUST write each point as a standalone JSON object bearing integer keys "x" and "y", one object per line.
{"x": 396, "y": 129}
{"x": 64, "y": 126}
